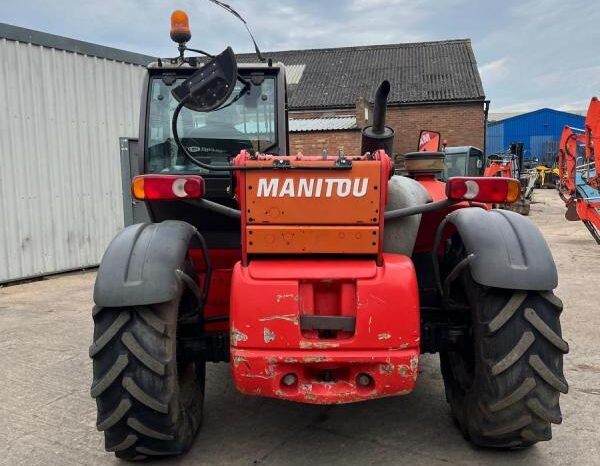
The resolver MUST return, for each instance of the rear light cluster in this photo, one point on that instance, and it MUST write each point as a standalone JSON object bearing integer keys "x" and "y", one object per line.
{"x": 165, "y": 187}
{"x": 491, "y": 189}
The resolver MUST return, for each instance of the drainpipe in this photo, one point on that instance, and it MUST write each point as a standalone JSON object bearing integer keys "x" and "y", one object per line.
{"x": 486, "y": 109}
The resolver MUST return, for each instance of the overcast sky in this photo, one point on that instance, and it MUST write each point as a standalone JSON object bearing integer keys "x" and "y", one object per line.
{"x": 531, "y": 53}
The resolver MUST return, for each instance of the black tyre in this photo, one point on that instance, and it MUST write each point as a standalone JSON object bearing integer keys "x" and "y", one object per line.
{"x": 504, "y": 387}
{"x": 149, "y": 399}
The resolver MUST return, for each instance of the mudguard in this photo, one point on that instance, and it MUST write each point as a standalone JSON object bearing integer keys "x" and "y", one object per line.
{"x": 510, "y": 251}
{"x": 138, "y": 267}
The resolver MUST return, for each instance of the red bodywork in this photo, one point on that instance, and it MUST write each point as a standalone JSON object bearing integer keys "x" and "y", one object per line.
{"x": 267, "y": 341}
{"x": 273, "y": 298}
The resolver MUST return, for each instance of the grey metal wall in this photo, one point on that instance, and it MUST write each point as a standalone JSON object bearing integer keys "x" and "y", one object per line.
{"x": 60, "y": 177}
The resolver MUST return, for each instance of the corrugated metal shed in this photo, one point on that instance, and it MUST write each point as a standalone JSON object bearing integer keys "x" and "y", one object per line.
{"x": 299, "y": 125}
{"x": 539, "y": 131}
{"x": 60, "y": 184}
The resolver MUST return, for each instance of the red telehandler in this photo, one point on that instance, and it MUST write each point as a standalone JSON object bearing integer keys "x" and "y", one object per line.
{"x": 319, "y": 278}
{"x": 579, "y": 182}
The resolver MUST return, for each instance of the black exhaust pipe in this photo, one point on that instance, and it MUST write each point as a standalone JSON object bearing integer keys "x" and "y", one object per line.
{"x": 379, "y": 136}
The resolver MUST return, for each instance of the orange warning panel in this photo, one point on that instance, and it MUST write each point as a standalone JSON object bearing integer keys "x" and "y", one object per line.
{"x": 314, "y": 197}
{"x": 265, "y": 239}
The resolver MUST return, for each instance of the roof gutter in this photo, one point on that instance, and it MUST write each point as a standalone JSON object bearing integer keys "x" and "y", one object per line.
{"x": 322, "y": 108}
{"x": 44, "y": 39}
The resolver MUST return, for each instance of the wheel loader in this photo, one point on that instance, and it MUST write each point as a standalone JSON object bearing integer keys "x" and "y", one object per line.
{"x": 319, "y": 278}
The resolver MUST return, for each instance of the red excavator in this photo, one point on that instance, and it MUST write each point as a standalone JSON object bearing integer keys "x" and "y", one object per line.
{"x": 579, "y": 180}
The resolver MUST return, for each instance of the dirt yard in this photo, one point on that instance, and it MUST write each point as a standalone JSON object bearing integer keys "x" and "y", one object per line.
{"x": 48, "y": 417}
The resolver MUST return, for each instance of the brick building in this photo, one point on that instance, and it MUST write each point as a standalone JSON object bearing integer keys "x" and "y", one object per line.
{"x": 434, "y": 85}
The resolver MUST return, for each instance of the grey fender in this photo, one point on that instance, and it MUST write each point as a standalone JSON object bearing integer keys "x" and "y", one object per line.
{"x": 509, "y": 250}
{"x": 138, "y": 267}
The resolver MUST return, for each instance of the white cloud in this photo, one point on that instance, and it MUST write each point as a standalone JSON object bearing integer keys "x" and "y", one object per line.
{"x": 496, "y": 69}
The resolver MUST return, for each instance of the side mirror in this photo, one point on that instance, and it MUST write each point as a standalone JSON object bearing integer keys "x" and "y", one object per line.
{"x": 210, "y": 86}
{"x": 429, "y": 141}
{"x": 479, "y": 163}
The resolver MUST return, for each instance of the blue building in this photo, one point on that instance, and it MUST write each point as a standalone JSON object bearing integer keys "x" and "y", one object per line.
{"x": 539, "y": 131}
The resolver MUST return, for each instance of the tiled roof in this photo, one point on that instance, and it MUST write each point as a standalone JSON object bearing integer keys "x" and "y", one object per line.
{"x": 418, "y": 73}
{"x": 322, "y": 124}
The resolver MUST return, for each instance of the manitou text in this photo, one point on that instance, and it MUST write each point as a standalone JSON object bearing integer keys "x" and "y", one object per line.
{"x": 312, "y": 187}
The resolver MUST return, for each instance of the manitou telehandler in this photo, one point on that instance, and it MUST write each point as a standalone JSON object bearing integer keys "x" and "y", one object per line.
{"x": 320, "y": 278}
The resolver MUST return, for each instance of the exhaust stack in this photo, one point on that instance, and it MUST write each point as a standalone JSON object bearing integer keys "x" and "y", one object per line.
{"x": 379, "y": 136}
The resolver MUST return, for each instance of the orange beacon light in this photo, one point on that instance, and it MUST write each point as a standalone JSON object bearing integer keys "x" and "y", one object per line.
{"x": 180, "y": 27}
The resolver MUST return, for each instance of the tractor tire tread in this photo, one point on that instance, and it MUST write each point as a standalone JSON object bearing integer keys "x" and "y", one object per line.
{"x": 547, "y": 375}
{"x": 534, "y": 319}
{"x": 136, "y": 387}
{"x": 103, "y": 340}
{"x": 115, "y": 416}
{"x": 152, "y": 452}
{"x": 140, "y": 395}
{"x": 515, "y": 354}
{"x": 124, "y": 445}
{"x": 510, "y": 427}
{"x": 507, "y": 312}
{"x": 537, "y": 408}
{"x": 151, "y": 319}
{"x": 141, "y": 354}
{"x": 143, "y": 429}
{"x": 111, "y": 375}
{"x": 553, "y": 299}
{"x": 514, "y": 397}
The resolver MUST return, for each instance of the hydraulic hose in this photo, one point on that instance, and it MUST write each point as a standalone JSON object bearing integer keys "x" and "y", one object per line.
{"x": 418, "y": 209}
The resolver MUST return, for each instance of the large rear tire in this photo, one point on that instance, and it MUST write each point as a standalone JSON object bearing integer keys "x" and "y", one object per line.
{"x": 504, "y": 387}
{"x": 149, "y": 399}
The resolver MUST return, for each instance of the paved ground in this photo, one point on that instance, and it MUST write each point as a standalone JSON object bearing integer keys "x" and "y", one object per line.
{"x": 48, "y": 418}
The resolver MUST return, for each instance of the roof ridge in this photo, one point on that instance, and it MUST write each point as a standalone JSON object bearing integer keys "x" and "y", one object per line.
{"x": 367, "y": 47}
{"x": 332, "y": 117}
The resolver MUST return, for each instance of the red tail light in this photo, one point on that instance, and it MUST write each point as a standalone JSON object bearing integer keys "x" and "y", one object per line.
{"x": 163, "y": 187}
{"x": 492, "y": 189}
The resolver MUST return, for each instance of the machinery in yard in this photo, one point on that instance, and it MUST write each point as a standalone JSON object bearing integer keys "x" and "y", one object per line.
{"x": 547, "y": 176}
{"x": 470, "y": 161}
{"x": 579, "y": 182}
{"x": 463, "y": 161}
{"x": 509, "y": 164}
{"x": 319, "y": 278}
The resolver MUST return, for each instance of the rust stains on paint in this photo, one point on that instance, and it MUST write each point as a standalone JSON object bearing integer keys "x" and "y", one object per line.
{"x": 318, "y": 345}
{"x": 281, "y": 297}
{"x": 237, "y": 336}
{"x": 268, "y": 335}
{"x": 237, "y": 359}
{"x": 386, "y": 369}
{"x": 293, "y": 318}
